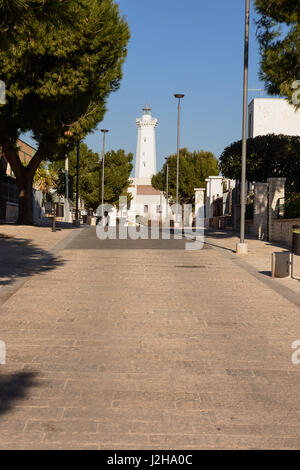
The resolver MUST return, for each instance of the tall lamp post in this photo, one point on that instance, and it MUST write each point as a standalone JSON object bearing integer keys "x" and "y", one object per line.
{"x": 179, "y": 96}
{"x": 242, "y": 247}
{"x": 68, "y": 216}
{"x": 167, "y": 196}
{"x": 104, "y": 131}
{"x": 77, "y": 221}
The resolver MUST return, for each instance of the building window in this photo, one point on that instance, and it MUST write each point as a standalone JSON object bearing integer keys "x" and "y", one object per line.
{"x": 144, "y": 139}
{"x": 158, "y": 209}
{"x": 145, "y": 209}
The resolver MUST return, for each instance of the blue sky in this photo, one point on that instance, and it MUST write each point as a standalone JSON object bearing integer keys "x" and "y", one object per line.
{"x": 193, "y": 47}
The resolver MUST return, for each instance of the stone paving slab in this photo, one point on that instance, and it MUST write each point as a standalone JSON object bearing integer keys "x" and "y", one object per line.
{"x": 26, "y": 250}
{"x": 259, "y": 255}
{"x": 148, "y": 348}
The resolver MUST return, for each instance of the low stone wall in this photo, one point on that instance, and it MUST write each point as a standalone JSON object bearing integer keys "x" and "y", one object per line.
{"x": 281, "y": 230}
{"x": 12, "y": 212}
{"x": 250, "y": 227}
{"x": 220, "y": 222}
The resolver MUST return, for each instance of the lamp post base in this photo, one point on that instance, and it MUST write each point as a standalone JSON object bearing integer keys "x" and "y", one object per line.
{"x": 241, "y": 249}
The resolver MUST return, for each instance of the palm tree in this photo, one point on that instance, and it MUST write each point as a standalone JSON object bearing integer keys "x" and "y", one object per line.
{"x": 45, "y": 180}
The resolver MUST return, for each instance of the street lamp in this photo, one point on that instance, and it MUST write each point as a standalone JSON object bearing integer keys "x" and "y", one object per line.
{"x": 179, "y": 96}
{"x": 67, "y": 214}
{"x": 77, "y": 222}
{"x": 242, "y": 247}
{"x": 104, "y": 131}
{"x": 167, "y": 196}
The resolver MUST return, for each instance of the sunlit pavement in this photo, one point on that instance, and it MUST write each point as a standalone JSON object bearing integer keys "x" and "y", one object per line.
{"x": 148, "y": 347}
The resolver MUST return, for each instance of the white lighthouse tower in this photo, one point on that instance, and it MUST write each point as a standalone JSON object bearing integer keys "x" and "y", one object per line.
{"x": 146, "y": 201}
{"x": 146, "y": 146}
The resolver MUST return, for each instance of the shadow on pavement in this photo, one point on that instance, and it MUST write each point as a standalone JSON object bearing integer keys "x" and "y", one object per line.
{"x": 14, "y": 387}
{"x": 20, "y": 258}
{"x": 266, "y": 273}
{"x": 219, "y": 246}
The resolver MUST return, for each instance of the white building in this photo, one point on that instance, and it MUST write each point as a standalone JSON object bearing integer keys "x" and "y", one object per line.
{"x": 147, "y": 201}
{"x": 272, "y": 116}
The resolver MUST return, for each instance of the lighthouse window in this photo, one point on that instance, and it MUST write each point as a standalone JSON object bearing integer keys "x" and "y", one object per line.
{"x": 145, "y": 139}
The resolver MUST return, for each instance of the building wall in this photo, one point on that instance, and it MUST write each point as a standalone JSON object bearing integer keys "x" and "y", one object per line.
{"x": 154, "y": 202}
{"x": 260, "y": 210}
{"x": 26, "y": 152}
{"x": 272, "y": 116}
{"x": 282, "y": 231}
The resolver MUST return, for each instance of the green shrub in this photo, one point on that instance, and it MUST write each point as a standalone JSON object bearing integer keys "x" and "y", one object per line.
{"x": 292, "y": 207}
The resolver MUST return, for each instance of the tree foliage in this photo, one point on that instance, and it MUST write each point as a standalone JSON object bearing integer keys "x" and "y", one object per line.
{"x": 60, "y": 59}
{"x": 267, "y": 156}
{"x": 278, "y": 33}
{"x": 45, "y": 180}
{"x": 117, "y": 169}
{"x": 194, "y": 168}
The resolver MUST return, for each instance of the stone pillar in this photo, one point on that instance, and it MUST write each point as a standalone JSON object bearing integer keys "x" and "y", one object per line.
{"x": 276, "y": 191}
{"x": 199, "y": 205}
{"x": 207, "y": 204}
{"x": 214, "y": 189}
{"x": 260, "y": 210}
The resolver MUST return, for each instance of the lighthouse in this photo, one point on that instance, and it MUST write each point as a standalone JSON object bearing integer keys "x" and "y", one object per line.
{"x": 146, "y": 201}
{"x": 146, "y": 145}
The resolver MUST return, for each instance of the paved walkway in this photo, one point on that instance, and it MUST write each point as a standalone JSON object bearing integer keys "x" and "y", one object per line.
{"x": 259, "y": 258}
{"x": 148, "y": 348}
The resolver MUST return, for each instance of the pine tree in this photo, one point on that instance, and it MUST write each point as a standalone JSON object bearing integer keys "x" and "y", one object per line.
{"x": 267, "y": 156}
{"x": 60, "y": 61}
{"x": 194, "y": 168}
{"x": 117, "y": 169}
{"x": 279, "y": 38}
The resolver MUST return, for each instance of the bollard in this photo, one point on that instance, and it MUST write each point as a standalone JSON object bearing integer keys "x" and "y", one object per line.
{"x": 296, "y": 240}
{"x": 282, "y": 264}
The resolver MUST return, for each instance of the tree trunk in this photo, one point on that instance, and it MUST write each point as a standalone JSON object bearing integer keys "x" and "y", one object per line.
{"x": 3, "y": 165}
{"x": 24, "y": 178}
{"x": 25, "y": 201}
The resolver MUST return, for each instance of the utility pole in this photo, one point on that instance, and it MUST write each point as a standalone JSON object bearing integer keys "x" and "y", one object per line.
{"x": 167, "y": 199}
{"x": 242, "y": 247}
{"x": 179, "y": 96}
{"x": 77, "y": 221}
{"x": 66, "y": 205}
{"x": 68, "y": 216}
{"x": 104, "y": 131}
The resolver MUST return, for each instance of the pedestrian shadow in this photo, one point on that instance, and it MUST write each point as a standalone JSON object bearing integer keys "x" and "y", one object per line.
{"x": 21, "y": 258}
{"x": 14, "y": 387}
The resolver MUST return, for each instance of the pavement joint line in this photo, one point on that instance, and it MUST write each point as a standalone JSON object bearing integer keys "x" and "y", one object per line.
{"x": 8, "y": 291}
{"x": 284, "y": 291}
